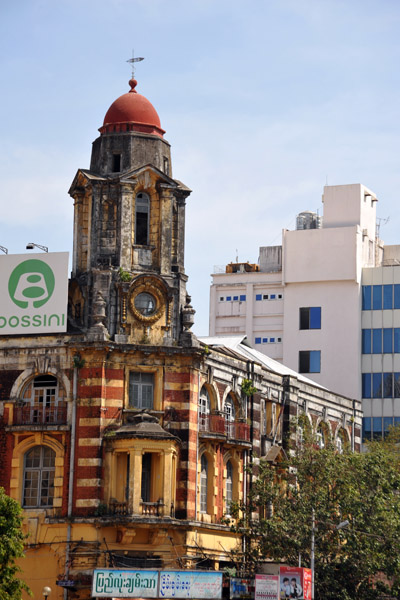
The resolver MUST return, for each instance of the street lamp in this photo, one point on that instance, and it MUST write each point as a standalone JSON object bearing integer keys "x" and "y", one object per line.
{"x": 46, "y": 592}
{"x": 341, "y": 525}
{"x": 32, "y": 245}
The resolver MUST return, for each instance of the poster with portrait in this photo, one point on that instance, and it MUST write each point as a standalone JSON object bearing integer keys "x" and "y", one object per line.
{"x": 295, "y": 582}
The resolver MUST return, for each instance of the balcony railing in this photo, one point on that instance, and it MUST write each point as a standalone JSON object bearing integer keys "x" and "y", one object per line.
{"x": 40, "y": 415}
{"x": 233, "y": 430}
{"x": 153, "y": 509}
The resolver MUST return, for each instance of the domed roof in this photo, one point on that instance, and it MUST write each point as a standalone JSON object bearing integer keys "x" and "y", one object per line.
{"x": 132, "y": 112}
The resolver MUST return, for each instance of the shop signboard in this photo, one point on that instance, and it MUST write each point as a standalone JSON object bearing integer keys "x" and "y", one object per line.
{"x": 34, "y": 293}
{"x": 114, "y": 583}
{"x": 191, "y": 584}
{"x": 295, "y": 582}
{"x": 266, "y": 587}
{"x": 241, "y": 588}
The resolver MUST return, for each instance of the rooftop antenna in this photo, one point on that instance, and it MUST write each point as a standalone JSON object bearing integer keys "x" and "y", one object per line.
{"x": 134, "y": 60}
{"x": 237, "y": 256}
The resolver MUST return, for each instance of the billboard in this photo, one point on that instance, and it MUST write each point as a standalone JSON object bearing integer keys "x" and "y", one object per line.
{"x": 295, "y": 582}
{"x": 34, "y": 293}
{"x": 114, "y": 583}
{"x": 267, "y": 587}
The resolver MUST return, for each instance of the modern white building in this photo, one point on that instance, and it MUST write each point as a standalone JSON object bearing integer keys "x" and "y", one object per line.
{"x": 325, "y": 303}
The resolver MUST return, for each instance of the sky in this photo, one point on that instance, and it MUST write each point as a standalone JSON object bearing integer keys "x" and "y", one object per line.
{"x": 264, "y": 102}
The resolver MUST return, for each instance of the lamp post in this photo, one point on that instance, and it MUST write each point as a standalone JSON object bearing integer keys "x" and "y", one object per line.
{"x": 341, "y": 525}
{"x": 32, "y": 245}
{"x": 46, "y": 592}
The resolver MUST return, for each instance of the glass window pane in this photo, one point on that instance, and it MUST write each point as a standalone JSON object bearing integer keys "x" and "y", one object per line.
{"x": 396, "y": 339}
{"x": 366, "y": 385}
{"x": 387, "y": 422}
{"x": 304, "y": 318}
{"x": 387, "y": 385}
{"x": 377, "y": 341}
{"x": 315, "y": 361}
{"x": 387, "y": 296}
{"x": 396, "y": 385}
{"x": 315, "y": 317}
{"x": 377, "y": 385}
{"x": 366, "y": 297}
{"x": 366, "y": 341}
{"x": 377, "y": 297}
{"x": 396, "y": 290}
{"x": 376, "y": 428}
{"x": 388, "y": 341}
{"x": 366, "y": 435}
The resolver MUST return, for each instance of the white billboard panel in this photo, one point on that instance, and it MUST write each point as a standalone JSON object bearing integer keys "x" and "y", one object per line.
{"x": 34, "y": 293}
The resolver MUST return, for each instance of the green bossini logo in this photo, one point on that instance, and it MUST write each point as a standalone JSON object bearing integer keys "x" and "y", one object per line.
{"x": 30, "y": 286}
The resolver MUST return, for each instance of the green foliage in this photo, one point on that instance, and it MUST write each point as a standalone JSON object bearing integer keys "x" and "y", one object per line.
{"x": 247, "y": 387}
{"x": 360, "y": 562}
{"x": 124, "y": 275}
{"x": 11, "y": 548}
{"x": 78, "y": 361}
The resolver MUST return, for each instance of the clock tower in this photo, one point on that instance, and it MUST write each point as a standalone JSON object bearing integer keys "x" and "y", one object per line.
{"x": 128, "y": 279}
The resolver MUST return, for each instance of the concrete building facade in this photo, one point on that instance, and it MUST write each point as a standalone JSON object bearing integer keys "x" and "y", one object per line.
{"x": 302, "y": 304}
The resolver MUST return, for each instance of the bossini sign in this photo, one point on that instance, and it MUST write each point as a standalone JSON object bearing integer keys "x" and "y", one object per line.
{"x": 34, "y": 293}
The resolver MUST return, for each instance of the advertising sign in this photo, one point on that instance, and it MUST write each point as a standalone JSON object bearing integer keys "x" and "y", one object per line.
{"x": 267, "y": 587}
{"x": 34, "y": 293}
{"x": 295, "y": 582}
{"x": 241, "y": 588}
{"x": 111, "y": 583}
{"x": 191, "y": 584}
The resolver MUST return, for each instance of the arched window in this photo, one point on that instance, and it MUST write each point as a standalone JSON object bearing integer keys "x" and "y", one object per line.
{"x": 204, "y": 409}
{"x": 229, "y": 487}
{"x": 229, "y": 413}
{"x": 142, "y": 213}
{"x": 203, "y": 484}
{"x": 341, "y": 441}
{"x": 321, "y": 437}
{"x": 44, "y": 401}
{"x": 39, "y": 468}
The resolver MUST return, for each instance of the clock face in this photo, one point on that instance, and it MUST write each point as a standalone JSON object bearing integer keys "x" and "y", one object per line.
{"x": 145, "y": 304}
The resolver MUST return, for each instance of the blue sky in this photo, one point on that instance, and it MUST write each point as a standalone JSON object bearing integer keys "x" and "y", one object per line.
{"x": 263, "y": 102}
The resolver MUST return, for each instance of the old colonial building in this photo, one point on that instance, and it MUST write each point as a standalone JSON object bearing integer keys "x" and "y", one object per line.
{"x": 125, "y": 438}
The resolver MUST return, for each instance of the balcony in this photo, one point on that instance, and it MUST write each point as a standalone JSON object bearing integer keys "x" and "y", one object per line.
{"x": 233, "y": 431}
{"x": 148, "y": 509}
{"x": 40, "y": 415}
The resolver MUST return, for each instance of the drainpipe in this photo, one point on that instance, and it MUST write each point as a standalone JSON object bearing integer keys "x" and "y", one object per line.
{"x": 353, "y": 427}
{"x": 71, "y": 474}
{"x": 197, "y": 446}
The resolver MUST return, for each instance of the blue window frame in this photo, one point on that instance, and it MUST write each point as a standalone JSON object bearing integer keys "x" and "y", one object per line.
{"x": 366, "y": 297}
{"x": 366, "y": 385}
{"x": 387, "y": 341}
{"x": 309, "y": 361}
{"x": 387, "y": 297}
{"x": 265, "y": 340}
{"x": 310, "y": 317}
{"x": 396, "y": 340}
{"x": 377, "y": 341}
{"x": 272, "y": 340}
{"x": 396, "y": 296}
{"x": 235, "y": 298}
{"x": 387, "y": 385}
{"x": 243, "y": 298}
{"x": 377, "y": 297}
{"x": 272, "y": 296}
{"x": 366, "y": 341}
{"x": 257, "y": 340}
{"x": 366, "y": 425}
{"x": 377, "y": 385}
{"x": 228, "y": 298}
{"x": 258, "y": 297}
{"x": 396, "y": 421}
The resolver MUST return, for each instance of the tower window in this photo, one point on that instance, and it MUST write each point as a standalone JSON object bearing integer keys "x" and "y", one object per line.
{"x": 166, "y": 165}
{"x": 142, "y": 212}
{"x": 116, "y": 163}
{"x": 141, "y": 390}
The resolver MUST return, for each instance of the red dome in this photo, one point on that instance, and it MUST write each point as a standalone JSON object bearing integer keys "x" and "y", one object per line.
{"x": 132, "y": 112}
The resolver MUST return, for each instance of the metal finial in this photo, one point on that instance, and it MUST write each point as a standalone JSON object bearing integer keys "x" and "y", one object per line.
{"x": 134, "y": 60}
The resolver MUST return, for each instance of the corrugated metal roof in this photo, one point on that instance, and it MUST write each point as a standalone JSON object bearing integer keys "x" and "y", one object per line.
{"x": 241, "y": 346}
